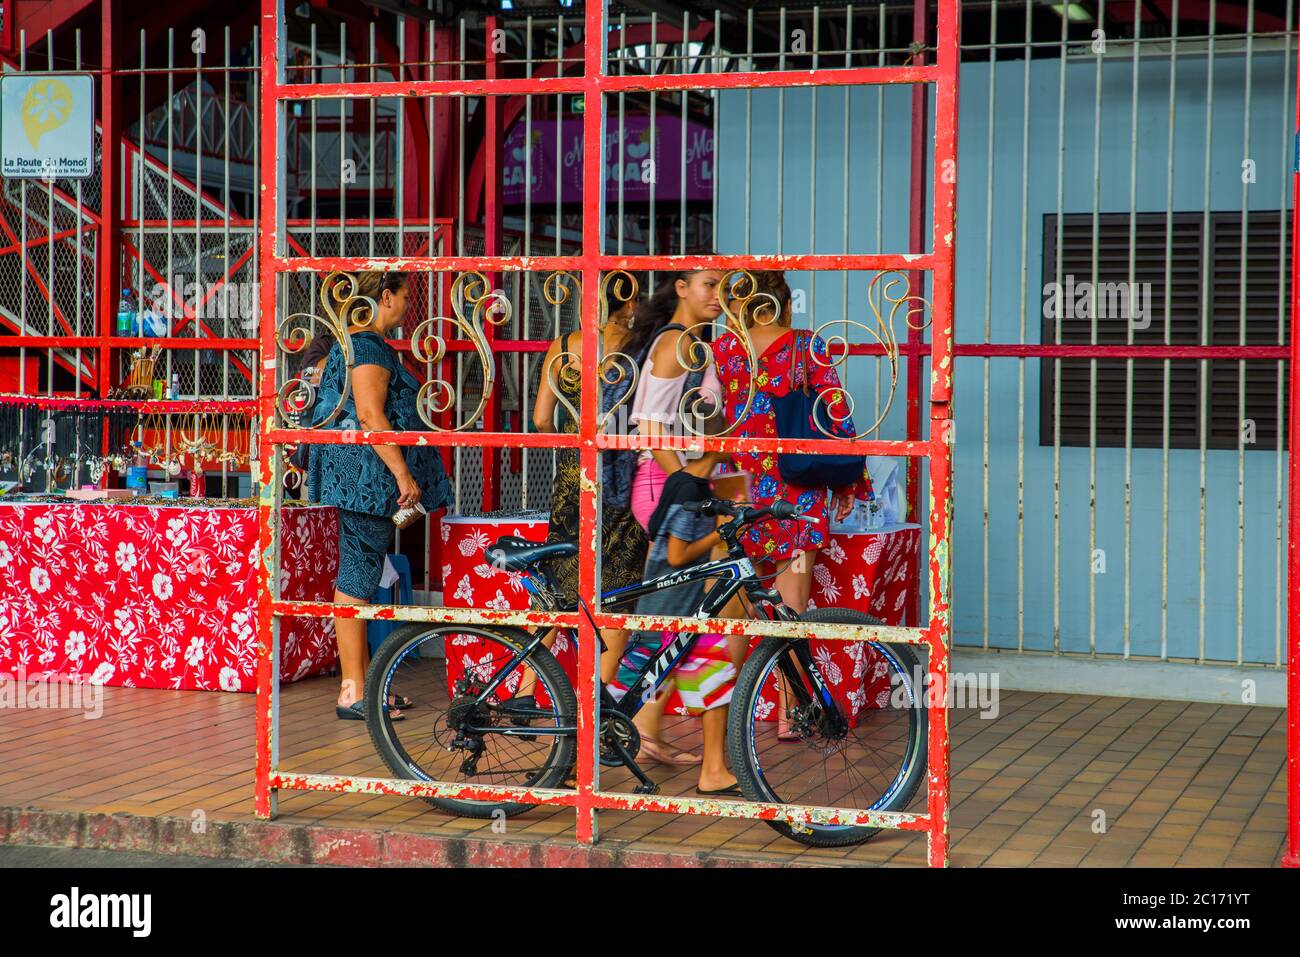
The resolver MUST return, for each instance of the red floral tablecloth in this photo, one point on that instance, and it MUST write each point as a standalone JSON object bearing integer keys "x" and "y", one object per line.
{"x": 874, "y": 572}
{"x": 156, "y": 597}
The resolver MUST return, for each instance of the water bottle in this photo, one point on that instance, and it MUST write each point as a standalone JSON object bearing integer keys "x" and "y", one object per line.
{"x": 125, "y": 314}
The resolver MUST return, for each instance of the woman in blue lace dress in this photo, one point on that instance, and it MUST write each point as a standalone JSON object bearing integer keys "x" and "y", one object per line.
{"x": 366, "y": 484}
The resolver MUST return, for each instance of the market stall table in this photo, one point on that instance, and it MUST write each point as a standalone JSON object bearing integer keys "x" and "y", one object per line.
{"x": 156, "y": 596}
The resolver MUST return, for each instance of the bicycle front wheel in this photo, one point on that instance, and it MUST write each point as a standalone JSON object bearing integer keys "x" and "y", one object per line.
{"x": 867, "y": 752}
{"x": 450, "y": 736}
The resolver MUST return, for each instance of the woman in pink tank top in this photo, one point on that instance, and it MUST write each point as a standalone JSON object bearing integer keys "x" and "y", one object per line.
{"x": 691, "y": 301}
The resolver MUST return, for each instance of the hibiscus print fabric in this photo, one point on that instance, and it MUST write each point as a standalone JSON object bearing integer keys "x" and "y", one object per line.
{"x": 156, "y": 597}
{"x": 778, "y": 374}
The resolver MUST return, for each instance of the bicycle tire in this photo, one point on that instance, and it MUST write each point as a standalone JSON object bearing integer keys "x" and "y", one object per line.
{"x": 743, "y": 750}
{"x": 399, "y": 645}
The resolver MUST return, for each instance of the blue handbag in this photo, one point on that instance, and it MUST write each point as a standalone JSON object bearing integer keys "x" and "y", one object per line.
{"x": 798, "y": 415}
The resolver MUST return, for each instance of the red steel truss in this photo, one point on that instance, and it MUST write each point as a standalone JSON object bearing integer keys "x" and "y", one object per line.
{"x": 594, "y": 85}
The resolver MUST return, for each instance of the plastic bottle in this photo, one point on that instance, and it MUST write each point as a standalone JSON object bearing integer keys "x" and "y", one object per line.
{"x": 125, "y": 314}
{"x": 175, "y": 391}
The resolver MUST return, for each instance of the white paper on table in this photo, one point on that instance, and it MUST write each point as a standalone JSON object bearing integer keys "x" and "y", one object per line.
{"x": 887, "y": 482}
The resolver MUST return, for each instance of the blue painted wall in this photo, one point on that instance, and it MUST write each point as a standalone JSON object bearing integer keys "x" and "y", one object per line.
{"x": 785, "y": 216}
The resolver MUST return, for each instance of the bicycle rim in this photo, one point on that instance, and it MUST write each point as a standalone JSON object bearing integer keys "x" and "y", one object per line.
{"x": 873, "y": 765}
{"x": 436, "y": 740}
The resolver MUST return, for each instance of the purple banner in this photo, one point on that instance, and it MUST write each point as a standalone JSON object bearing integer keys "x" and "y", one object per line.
{"x": 636, "y": 169}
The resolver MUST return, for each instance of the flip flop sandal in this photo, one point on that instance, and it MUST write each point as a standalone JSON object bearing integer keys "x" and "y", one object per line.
{"x": 732, "y": 791}
{"x": 401, "y": 702}
{"x": 357, "y": 712}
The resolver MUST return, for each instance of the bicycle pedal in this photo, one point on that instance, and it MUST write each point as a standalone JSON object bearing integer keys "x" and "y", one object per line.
{"x": 648, "y": 788}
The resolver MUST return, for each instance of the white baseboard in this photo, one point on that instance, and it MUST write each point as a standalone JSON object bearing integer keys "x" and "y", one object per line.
{"x": 1170, "y": 681}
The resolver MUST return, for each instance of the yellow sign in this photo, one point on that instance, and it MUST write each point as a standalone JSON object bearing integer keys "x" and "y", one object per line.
{"x": 46, "y": 107}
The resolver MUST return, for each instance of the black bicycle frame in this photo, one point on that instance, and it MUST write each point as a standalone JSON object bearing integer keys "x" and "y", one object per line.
{"x": 735, "y": 572}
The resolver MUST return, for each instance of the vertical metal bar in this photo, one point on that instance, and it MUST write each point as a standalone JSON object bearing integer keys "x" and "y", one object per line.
{"x": 1024, "y": 313}
{"x": 880, "y": 182}
{"x": 344, "y": 105}
{"x": 655, "y": 66}
{"x": 1207, "y": 317}
{"x": 1128, "y": 363}
{"x": 988, "y": 292}
{"x": 1288, "y": 135}
{"x": 1241, "y": 338}
{"x": 81, "y": 331}
{"x": 49, "y": 258}
{"x": 780, "y": 143}
{"x": 1168, "y": 304}
{"x": 373, "y": 102}
{"x": 1092, "y": 339}
{"x": 199, "y": 216}
{"x": 22, "y": 250}
{"x": 622, "y": 71}
{"x": 717, "y": 146}
{"x": 171, "y": 191}
{"x": 142, "y": 194}
{"x": 916, "y": 243}
{"x": 225, "y": 256}
{"x": 749, "y": 124}
{"x": 1056, "y": 363}
{"x": 813, "y": 93}
{"x": 109, "y": 239}
{"x": 845, "y": 181}
{"x": 685, "y": 47}
{"x": 492, "y": 246}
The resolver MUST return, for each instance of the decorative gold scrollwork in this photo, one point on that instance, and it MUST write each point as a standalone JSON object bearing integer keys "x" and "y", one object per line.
{"x": 474, "y": 303}
{"x": 617, "y": 367}
{"x": 882, "y": 331}
{"x": 343, "y": 307}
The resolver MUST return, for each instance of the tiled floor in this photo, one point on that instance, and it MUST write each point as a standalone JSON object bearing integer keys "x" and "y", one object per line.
{"x": 1054, "y": 780}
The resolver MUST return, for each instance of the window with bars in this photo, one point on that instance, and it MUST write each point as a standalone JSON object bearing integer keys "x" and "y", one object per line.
{"x": 1173, "y": 277}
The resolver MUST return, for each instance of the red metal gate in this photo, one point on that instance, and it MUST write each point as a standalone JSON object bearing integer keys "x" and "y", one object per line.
{"x": 593, "y": 85}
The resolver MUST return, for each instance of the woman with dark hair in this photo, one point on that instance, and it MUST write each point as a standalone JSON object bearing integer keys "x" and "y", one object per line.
{"x": 675, "y": 373}
{"x": 785, "y": 363}
{"x": 367, "y": 484}
{"x": 623, "y": 541}
{"x": 689, "y": 301}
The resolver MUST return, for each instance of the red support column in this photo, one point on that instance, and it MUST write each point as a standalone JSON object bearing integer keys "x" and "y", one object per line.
{"x": 593, "y": 189}
{"x": 109, "y": 251}
{"x": 1291, "y": 857}
{"x": 944, "y": 239}
{"x": 263, "y": 801}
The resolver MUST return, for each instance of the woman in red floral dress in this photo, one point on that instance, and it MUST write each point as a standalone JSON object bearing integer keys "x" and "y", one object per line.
{"x": 783, "y": 358}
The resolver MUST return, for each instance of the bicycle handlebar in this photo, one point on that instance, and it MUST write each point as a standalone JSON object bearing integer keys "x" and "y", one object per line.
{"x": 747, "y": 514}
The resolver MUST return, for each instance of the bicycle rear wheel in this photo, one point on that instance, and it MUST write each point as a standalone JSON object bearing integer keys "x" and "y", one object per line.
{"x": 449, "y": 737}
{"x": 877, "y": 762}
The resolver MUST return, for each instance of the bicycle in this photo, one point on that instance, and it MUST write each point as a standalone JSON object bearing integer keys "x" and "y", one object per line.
{"x": 877, "y": 756}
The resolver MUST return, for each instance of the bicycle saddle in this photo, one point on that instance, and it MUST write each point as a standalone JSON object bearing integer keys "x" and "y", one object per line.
{"x": 515, "y": 554}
